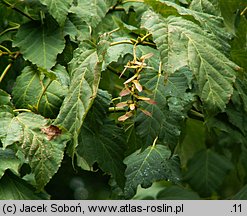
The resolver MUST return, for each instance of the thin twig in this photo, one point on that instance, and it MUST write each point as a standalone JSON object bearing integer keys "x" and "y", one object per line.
{"x": 22, "y": 110}
{"x": 9, "y": 65}
{"x": 196, "y": 114}
{"x": 126, "y": 1}
{"x": 42, "y": 94}
{"x": 243, "y": 12}
{"x": 5, "y": 48}
{"x": 149, "y": 44}
{"x": 113, "y": 70}
{"x": 10, "y": 29}
{"x": 5, "y": 71}
{"x": 114, "y": 109}
{"x": 146, "y": 36}
{"x": 120, "y": 42}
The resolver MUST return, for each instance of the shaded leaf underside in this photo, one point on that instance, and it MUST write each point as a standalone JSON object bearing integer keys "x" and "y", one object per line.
{"x": 206, "y": 172}
{"x": 101, "y": 141}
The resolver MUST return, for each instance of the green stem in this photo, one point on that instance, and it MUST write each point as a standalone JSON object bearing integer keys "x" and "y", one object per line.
{"x": 146, "y": 36}
{"x": 121, "y": 42}
{"x": 10, "y": 29}
{"x": 160, "y": 68}
{"x": 5, "y": 48}
{"x": 114, "y": 109}
{"x": 134, "y": 52}
{"x": 149, "y": 44}
{"x": 9, "y": 65}
{"x": 126, "y": 1}
{"x": 43, "y": 92}
{"x": 112, "y": 69}
{"x": 196, "y": 114}
{"x": 114, "y": 30}
{"x": 5, "y": 72}
{"x": 16, "y": 9}
{"x": 22, "y": 110}
{"x": 118, "y": 8}
{"x": 243, "y": 12}
{"x": 154, "y": 143}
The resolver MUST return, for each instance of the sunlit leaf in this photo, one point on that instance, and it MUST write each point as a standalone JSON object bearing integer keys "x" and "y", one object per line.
{"x": 58, "y": 9}
{"x": 206, "y": 6}
{"x": 180, "y": 44}
{"x": 10, "y": 130}
{"x": 44, "y": 154}
{"x": 85, "y": 72}
{"x": 29, "y": 88}
{"x": 153, "y": 164}
{"x": 40, "y": 43}
{"x": 92, "y": 12}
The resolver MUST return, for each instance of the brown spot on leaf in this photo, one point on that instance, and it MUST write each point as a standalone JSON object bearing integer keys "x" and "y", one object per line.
{"x": 51, "y": 132}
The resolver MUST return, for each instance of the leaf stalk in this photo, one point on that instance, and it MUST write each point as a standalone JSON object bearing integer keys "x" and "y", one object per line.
{"x": 115, "y": 109}
{"x": 243, "y": 12}
{"x": 126, "y": 1}
{"x": 5, "y": 71}
{"x": 42, "y": 94}
{"x": 22, "y": 110}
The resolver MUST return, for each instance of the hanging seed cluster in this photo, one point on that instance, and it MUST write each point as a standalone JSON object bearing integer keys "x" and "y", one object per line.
{"x": 133, "y": 88}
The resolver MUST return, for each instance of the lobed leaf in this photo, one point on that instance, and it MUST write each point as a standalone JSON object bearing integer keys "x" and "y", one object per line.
{"x": 14, "y": 188}
{"x": 8, "y": 160}
{"x": 29, "y": 88}
{"x": 43, "y": 153}
{"x": 168, "y": 114}
{"x": 58, "y": 9}
{"x": 10, "y": 130}
{"x": 230, "y": 11}
{"x": 206, "y": 172}
{"x": 183, "y": 43}
{"x": 211, "y": 24}
{"x": 145, "y": 167}
{"x": 113, "y": 53}
{"x": 4, "y": 98}
{"x": 76, "y": 29}
{"x": 177, "y": 193}
{"x": 92, "y": 12}
{"x": 85, "y": 77}
{"x": 206, "y": 6}
{"x": 101, "y": 141}
{"x": 241, "y": 194}
{"x": 40, "y": 43}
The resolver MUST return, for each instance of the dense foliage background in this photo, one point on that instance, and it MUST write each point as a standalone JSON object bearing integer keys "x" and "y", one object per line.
{"x": 102, "y": 99}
